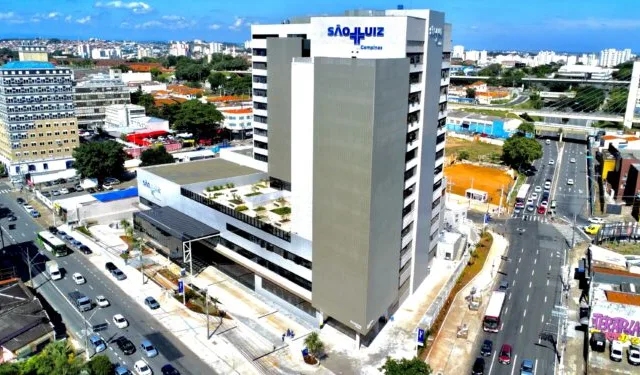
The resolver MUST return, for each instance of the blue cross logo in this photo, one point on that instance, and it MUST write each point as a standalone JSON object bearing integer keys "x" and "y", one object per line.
{"x": 356, "y": 35}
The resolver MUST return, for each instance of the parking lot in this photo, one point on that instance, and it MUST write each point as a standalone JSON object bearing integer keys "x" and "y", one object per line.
{"x": 68, "y": 188}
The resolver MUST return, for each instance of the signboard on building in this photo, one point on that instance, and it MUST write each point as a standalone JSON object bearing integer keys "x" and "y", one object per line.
{"x": 616, "y": 321}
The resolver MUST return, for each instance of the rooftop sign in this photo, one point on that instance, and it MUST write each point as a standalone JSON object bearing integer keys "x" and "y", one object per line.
{"x": 357, "y": 34}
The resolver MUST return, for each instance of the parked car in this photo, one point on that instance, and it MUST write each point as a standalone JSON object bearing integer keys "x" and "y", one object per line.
{"x": 85, "y": 249}
{"x": 592, "y": 229}
{"x": 527, "y": 367}
{"x": 102, "y": 301}
{"x": 633, "y": 355}
{"x": 531, "y": 208}
{"x": 110, "y": 266}
{"x": 125, "y": 345}
{"x": 504, "y": 285}
{"x": 20, "y": 200}
{"x": 148, "y": 349}
{"x": 505, "y": 354}
{"x": 56, "y": 193}
{"x": 35, "y": 213}
{"x": 64, "y": 191}
{"x": 487, "y": 348}
{"x": 572, "y": 160}
{"x": 616, "y": 349}
{"x": 478, "y": 366}
{"x": 596, "y": 220}
{"x": 537, "y": 189}
{"x": 12, "y": 218}
{"x": 111, "y": 181}
{"x": 98, "y": 344}
{"x": 120, "y": 321}
{"x": 151, "y": 303}
{"x": 78, "y": 188}
{"x": 121, "y": 370}
{"x": 169, "y": 370}
{"x": 548, "y": 141}
{"x": 542, "y": 209}
{"x": 547, "y": 185}
{"x": 119, "y": 275}
{"x": 551, "y": 162}
{"x": 534, "y": 196}
{"x": 142, "y": 368}
{"x": 53, "y": 230}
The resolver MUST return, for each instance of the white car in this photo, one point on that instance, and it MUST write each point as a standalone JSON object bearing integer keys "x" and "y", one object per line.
{"x": 615, "y": 351}
{"x": 551, "y": 162}
{"x": 142, "y": 368}
{"x": 64, "y": 191}
{"x": 120, "y": 321}
{"x": 570, "y": 181}
{"x": 529, "y": 201}
{"x": 596, "y": 220}
{"x": 534, "y": 196}
{"x": 572, "y": 160}
{"x": 634, "y": 355}
{"x": 530, "y": 208}
{"x": 102, "y": 301}
{"x": 78, "y": 278}
{"x": 547, "y": 141}
{"x": 538, "y": 189}
{"x": 547, "y": 185}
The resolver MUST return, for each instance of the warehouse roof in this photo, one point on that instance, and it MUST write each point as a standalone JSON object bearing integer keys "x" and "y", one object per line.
{"x": 200, "y": 171}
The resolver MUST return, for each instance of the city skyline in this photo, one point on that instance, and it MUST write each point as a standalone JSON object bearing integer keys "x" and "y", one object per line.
{"x": 490, "y": 26}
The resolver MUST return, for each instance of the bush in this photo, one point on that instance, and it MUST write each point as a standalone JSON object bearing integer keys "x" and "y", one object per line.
{"x": 84, "y": 231}
{"x": 282, "y": 210}
{"x": 242, "y": 208}
{"x": 253, "y": 194}
{"x": 260, "y": 208}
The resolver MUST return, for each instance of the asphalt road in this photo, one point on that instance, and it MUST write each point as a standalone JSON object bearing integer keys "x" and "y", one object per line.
{"x": 141, "y": 324}
{"x": 573, "y": 199}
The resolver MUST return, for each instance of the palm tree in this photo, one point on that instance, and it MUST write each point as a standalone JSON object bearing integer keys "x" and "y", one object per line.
{"x": 314, "y": 344}
{"x": 128, "y": 229}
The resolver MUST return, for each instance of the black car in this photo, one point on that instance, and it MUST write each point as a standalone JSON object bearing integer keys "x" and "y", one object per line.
{"x": 119, "y": 275}
{"x": 53, "y": 230}
{"x": 169, "y": 370}
{"x": 125, "y": 345}
{"x": 110, "y": 266}
{"x": 151, "y": 303}
{"x": 85, "y": 249}
{"x": 12, "y": 218}
{"x": 487, "y": 348}
{"x": 504, "y": 285}
{"x": 478, "y": 366}
{"x": 20, "y": 201}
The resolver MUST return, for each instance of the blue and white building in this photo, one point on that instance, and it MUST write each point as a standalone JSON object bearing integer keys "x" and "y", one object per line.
{"x": 474, "y": 123}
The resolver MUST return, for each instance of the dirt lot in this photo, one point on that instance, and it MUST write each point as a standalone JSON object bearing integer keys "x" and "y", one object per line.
{"x": 478, "y": 151}
{"x": 463, "y": 176}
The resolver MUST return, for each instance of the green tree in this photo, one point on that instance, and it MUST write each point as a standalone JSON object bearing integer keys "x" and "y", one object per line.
{"x": 624, "y": 71}
{"x": 238, "y": 84}
{"x": 191, "y": 71}
{"x": 149, "y": 104}
{"x": 314, "y": 344}
{"x": 526, "y": 127}
{"x": 463, "y": 155}
{"x": 217, "y": 79}
{"x": 7, "y": 54}
{"x": 492, "y": 70}
{"x": 471, "y": 93}
{"x": 100, "y": 365}
{"x": 617, "y": 101}
{"x": 10, "y": 369}
{"x": 56, "y": 358}
{"x": 220, "y": 62}
{"x": 128, "y": 229}
{"x": 136, "y": 95}
{"x": 99, "y": 160}
{"x": 124, "y": 68}
{"x": 536, "y": 100}
{"x": 155, "y": 73}
{"x": 588, "y": 99}
{"x": 202, "y": 120}
{"x": 518, "y": 151}
{"x": 414, "y": 366}
{"x": 155, "y": 156}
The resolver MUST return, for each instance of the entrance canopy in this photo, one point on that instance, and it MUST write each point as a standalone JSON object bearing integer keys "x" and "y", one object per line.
{"x": 177, "y": 224}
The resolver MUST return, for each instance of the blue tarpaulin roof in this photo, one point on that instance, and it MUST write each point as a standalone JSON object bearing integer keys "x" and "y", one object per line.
{"x": 116, "y": 194}
{"x": 28, "y": 65}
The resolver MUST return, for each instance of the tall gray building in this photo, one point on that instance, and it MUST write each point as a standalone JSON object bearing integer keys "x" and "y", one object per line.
{"x": 94, "y": 94}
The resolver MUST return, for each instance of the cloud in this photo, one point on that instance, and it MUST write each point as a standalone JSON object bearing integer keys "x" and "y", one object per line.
{"x": 11, "y": 17}
{"x": 7, "y": 15}
{"x": 237, "y": 24}
{"x": 84, "y": 20}
{"x": 53, "y": 15}
{"x": 137, "y": 7}
{"x": 595, "y": 23}
{"x": 165, "y": 22}
{"x": 172, "y": 18}
{"x": 214, "y": 26}
{"x": 68, "y": 19}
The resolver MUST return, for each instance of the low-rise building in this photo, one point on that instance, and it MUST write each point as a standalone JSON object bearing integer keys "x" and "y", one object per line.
{"x": 238, "y": 121}
{"x": 93, "y": 94}
{"x": 584, "y": 72}
{"x": 623, "y": 183}
{"x": 475, "y": 123}
{"x": 122, "y": 115}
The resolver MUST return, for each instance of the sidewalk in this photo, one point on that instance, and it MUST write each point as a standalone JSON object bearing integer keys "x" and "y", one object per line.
{"x": 453, "y": 355}
{"x": 478, "y": 206}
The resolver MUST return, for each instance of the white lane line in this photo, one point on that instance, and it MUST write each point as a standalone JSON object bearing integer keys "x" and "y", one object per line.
{"x": 505, "y": 310}
{"x": 533, "y": 272}
{"x": 22, "y": 234}
{"x": 514, "y": 282}
{"x": 535, "y": 261}
{"x": 542, "y": 320}
{"x": 515, "y": 359}
{"x": 545, "y": 299}
{"x": 527, "y": 298}
{"x": 535, "y": 367}
{"x": 529, "y": 284}
{"x": 524, "y": 314}
{"x": 516, "y": 271}
{"x": 501, "y": 325}
{"x": 547, "y": 282}
{"x": 90, "y": 287}
{"x": 519, "y": 259}
{"x": 537, "y": 251}
{"x": 509, "y": 296}
{"x": 549, "y": 267}
{"x": 493, "y": 359}
{"x": 522, "y": 250}
{"x": 520, "y": 328}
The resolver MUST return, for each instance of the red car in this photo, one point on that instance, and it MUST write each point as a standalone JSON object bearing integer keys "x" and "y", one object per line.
{"x": 505, "y": 355}
{"x": 542, "y": 209}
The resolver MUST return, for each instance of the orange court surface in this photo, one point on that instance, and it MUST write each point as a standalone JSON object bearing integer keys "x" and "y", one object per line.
{"x": 463, "y": 176}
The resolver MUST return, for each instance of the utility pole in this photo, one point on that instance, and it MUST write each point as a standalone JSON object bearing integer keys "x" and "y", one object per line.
{"x": 501, "y": 196}
{"x": 573, "y": 232}
{"x": 206, "y": 302}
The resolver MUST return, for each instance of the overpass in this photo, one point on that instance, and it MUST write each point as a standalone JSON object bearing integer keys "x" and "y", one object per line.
{"x": 533, "y": 79}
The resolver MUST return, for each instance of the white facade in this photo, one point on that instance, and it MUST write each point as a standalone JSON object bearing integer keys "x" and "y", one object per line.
{"x": 472, "y": 55}
{"x": 589, "y": 59}
{"x": 483, "y": 57}
{"x": 136, "y": 77}
{"x": 237, "y": 119}
{"x": 458, "y": 52}
{"x": 612, "y": 57}
{"x": 122, "y": 115}
{"x": 572, "y": 59}
{"x": 146, "y": 87}
{"x": 584, "y": 72}
{"x": 179, "y": 49}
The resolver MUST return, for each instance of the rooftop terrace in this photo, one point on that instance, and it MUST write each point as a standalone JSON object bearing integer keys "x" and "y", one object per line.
{"x": 201, "y": 171}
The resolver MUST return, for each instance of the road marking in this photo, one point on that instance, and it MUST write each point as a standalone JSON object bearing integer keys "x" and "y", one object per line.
{"x": 547, "y": 282}
{"x": 529, "y": 284}
{"x": 535, "y": 367}
{"x": 524, "y": 314}
{"x": 493, "y": 359}
{"x": 535, "y": 261}
{"x": 527, "y": 298}
{"x": 509, "y": 296}
{"x": 549, "y": 267}
{"x": 505, "y": 310}
{"x": 542, "y": 320}
{"x": 501, "y": 325}
{"x": 537, "y": 251}
{"x": 90, "y": 287}
{"x": 545, "y": 299}
{"x": 516, "y": 271}
{"x": 520, "y": 328}
{"x": 533, "y": 272}
{"x": 22, "y": 234}
{"x": 519, "y": 259}
{"x": 514, "y": 282}
{"x": 515, "y": 359}
{"x": 522, "y": 250}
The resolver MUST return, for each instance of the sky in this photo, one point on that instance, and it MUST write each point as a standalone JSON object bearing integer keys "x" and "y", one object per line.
{"x": 524, "y": 25}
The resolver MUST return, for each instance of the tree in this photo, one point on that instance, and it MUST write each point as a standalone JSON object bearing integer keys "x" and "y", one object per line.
{"x": 217, "y": 79}
{"x": 518, "y": 151}
{"x": 238, "y": 84}
{"x": 492, "y": 70}
{"x": 128, "y": 229}
{"x": 536, "y": 100}
{"x": 526, "y": 127}
{"x": 202, "y": 120}
{"x": 55, "y": 358}
{"x": 155, "y": 73}
{"x": 617, "y": 101}
{"x": 100, "y": 365}
{"x": 8, "y": 368}
{"x": 463, "y": 155}
{"x": 471, "y": 93}
{"x": 191, "y": 71}
{"x": 314, "y": 344}
{"x": 149, "y": 104}
{"x": 136, "y": 95}
{"x": 99, "y": 160}
{"x": 155, "y": 156}
{"x": 124, "y": 68}
{"x": 624, "y": 71}
{"x": 414, "y": 366}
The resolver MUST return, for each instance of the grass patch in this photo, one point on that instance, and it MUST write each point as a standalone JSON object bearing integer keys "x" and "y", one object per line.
{"x": 624, "y": 248}
{"x": 475, "y": 150}
{"x": 282, "y": 210}
{"x": 519, "y": 181}
{"x": 474, "y": 266}
{"x": 253, "y": 194}
{"x": 260, "y": 208}
{"x": 241, "y": 208}
{"x": 492, "y": 112}
{"x": 84, "y": 231}
{"x": 169, "y": 275}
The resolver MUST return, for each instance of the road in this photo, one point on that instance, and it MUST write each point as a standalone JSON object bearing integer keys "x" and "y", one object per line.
{"x": 573, "y": 199}
{"x": 141, "y": 324}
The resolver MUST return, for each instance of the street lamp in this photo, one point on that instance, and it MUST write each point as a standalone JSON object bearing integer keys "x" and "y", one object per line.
{"x": 86, "y": 334}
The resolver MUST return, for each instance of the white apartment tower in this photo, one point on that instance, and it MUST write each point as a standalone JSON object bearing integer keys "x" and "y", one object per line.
{"x": 612, "y": 57}
{"x": 349, "y": 116}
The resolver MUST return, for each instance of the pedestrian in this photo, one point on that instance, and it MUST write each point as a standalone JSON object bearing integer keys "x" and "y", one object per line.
{"x": 283, "y": 337}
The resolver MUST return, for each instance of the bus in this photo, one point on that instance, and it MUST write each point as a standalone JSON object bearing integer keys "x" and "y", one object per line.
{"x": 521, "y": 198}
{"x": 52, "y": 243}
{"x": 491, "y": 321}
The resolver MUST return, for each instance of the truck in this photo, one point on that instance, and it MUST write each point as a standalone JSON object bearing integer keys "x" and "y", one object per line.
{"x": 82, "y": 302}
{"x": 53, "y": 270}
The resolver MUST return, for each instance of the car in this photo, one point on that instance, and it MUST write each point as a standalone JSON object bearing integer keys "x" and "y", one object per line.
{"x": 615, "y": 352}
{"x": 544, "y": 203}
{"x": 592, "y": 229}
{"x": 504, "y": 285}
{"x": 572, "y": 160}
{"x": 142, "y": 368}
{"x": 119, "y": 275}
{"x": 633, "y": 355}
{"x": 98, "y": 343}
{"x": 548, "y": 141}
{"x": 78, "y": 188}
{"x": 542, "y": 209}
{"x": 64, "y": 191}
{"x": 505, "y": 354}
{"x": 56, "y": 193}
{"x": 120, "y": 321}
{"x": 596, "y": 220}
{"x": 169, "y": 370}
{"x": 545, "y": 194}
{"x": 551, "y": 162}
{"x": 53, "y": 230}
{"x": 547, "y": 185}
{"x": 538, "y": 189}
{"x": 102, "y": 301}
{"x": 487, "y": 348}
{"x": 46, "y": 194}
{"x": 517, "y": 210}
{"x": 85, "y": 249}
{"x": 530, "y": 208}
{"x": 478, "y": 366}
{"x": 20, "y": 200}
{"x": 151, "y": 303}
{"x": 78, "y": 278}
{"x": 526, "y": 368}
{"x": 148, "y": 349}
{"x": 110, "y": 266}
{"x": 121, "y": 370}
{"x": 28, "y": 207}
{"x": 534, "y": 196}
{"x": 62, "y": 233}
{"x": 75, "y": 242}
{"x": 530, "y": 201}
{"x": 12, "y": 218}
{"x": 35, "y": 213}
{"x": 125, "y": 345}
{"x": 111, "y": 181}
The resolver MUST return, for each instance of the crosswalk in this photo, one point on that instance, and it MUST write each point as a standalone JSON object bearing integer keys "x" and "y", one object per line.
{"x": 531, "y": 217}
{"x": 5, "y": 191}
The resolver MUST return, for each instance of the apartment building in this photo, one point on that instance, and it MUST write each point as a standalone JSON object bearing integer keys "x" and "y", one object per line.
{"x": 336, "y": 211}
{"x": 38, "y": 126}
{"x": 92, "y": 96}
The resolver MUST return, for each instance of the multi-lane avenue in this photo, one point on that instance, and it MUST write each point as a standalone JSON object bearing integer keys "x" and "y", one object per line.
{"x": 142, "y": 326}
